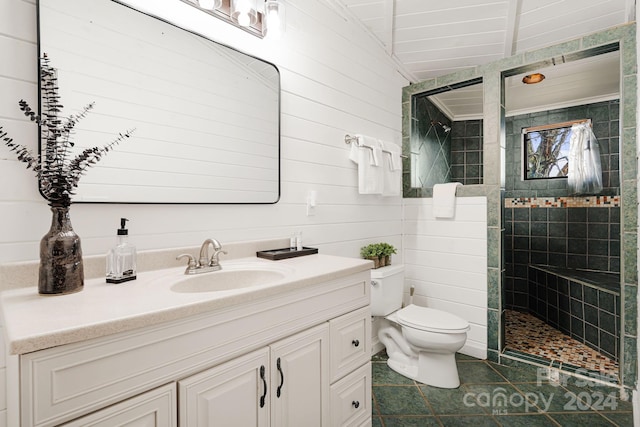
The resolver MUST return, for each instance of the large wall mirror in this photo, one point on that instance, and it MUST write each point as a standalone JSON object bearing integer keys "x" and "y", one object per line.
{"x": 206, "y": 117}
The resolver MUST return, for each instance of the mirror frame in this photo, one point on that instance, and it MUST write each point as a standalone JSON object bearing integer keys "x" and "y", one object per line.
{"x": 277, "y": 189}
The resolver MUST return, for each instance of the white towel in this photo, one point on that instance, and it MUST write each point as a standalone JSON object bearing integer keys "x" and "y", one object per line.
{"x": 392, "y": 171}
{"x": 444, "y": 199}
{"x": 367, "y": 153}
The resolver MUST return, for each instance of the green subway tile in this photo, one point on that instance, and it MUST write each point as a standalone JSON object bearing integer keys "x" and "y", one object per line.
{"x": 630, "y": 258}
{"x": 629, "y": 100}
{"x": 551, "y": 51}
{"x": 493, "y": 247}
{"x": 493, "y": 288}
{"x": 629, "y": 206}
{"x": 630, "y": 364}
{"x": 503, "y": 64}
{"x": 457, "y": 77}
{"x": 607, "y": 36}
{"x": 629, "y": 161}
{"x": 493, "y": 355}
{"x": 631, "y": 310}
{"x": 493, "y": 325}
{"x": 424, "y": 86}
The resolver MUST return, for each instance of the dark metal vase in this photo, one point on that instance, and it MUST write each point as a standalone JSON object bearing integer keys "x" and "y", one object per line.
{"x": 61, "y": 269}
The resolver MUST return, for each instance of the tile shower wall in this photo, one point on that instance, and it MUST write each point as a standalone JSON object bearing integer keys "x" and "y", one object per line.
{"x": 466, "y": 152}
{"x": 430, "y": 145}
{"x": 605, "y": 121}
{"x": 570, "y": 237}
{"x": 583, "y": 311}
{"x": 563, "y": 235}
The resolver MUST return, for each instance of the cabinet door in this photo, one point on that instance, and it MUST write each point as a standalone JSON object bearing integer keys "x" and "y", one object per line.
{"x": 231, "y": 394}
{"x": 300, "y": 379}
{"x": 155, "y": 408}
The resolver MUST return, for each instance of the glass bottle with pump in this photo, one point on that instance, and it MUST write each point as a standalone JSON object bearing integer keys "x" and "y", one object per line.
{"x": 121, "y": 259}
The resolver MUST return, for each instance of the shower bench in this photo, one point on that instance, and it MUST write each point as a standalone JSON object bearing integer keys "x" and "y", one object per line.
{"x": 582, "y": 304}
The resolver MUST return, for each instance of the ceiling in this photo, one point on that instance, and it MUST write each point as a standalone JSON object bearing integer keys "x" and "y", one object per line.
{"x": 428, "y": 38}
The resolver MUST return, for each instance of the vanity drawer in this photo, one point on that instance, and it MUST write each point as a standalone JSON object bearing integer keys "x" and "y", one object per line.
{"x": 351, "y": 398}
{"x": 350, "y": 342}
{"x": 155, "y": 408}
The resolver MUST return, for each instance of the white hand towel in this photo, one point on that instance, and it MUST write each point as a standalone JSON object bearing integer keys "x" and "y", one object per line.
{"x": 392, "y": 171}
{"x": 367, "y": 156}
{"x": 444, "y": 199}
{"x": 395, "y": 152}
{"x": 371, "y": 145}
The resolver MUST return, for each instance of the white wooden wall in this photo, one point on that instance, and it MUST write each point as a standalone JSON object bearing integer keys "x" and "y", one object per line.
{"x": 335, "y": 78}
{"x": 446, "y": 261}
{"x": 205, "y": 116}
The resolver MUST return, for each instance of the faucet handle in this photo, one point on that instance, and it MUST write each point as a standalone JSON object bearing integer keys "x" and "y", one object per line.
{"x": 214, "y": 258}
{"x": 192, "y": 261}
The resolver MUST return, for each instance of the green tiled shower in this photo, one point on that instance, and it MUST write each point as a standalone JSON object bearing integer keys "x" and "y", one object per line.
{"x": 493, "y": 175}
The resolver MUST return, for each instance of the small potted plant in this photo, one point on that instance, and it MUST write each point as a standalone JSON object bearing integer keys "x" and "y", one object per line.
{"x": 371, "y": 252}
{"x": 379, "y": 253}
{"x": 386, "y": 250}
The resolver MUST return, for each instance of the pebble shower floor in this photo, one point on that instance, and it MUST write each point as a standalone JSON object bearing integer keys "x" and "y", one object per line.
{"x": 528, "y": 334}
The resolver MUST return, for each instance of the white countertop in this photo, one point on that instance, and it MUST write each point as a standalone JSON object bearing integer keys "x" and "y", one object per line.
{"x": 34, "y": 322}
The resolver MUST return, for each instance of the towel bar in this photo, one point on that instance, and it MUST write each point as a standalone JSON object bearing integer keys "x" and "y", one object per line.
{"x": 348, "y": 139}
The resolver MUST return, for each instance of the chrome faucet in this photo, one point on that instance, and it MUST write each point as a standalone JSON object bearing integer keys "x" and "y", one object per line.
{"x": 204, "y": 263}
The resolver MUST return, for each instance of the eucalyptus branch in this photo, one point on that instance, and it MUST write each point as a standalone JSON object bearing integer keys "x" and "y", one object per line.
{"x": 58, "y": 175}
{"x": 91, "y": 156}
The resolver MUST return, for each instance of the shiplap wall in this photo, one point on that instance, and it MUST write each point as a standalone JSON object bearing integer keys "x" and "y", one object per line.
{"x": 335, "y": 79}
{"x": 206, "y": 117}
{"x": 446, "y": 260}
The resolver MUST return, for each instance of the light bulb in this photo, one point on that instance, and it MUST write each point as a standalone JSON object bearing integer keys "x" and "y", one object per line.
{"x": 210, "y": 4}
{"x": 243, "y": 19}
{"x": 274, "y": 19}
{"x": 244, "y": 12}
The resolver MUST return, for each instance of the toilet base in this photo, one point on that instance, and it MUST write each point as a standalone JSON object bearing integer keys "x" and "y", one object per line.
{"x": 437, "y": 370}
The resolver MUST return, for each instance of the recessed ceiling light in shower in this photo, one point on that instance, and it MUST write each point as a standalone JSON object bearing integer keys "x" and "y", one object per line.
{"x": 533, "y": 78}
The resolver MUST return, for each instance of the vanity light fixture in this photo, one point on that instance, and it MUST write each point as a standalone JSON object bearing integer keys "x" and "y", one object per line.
{"x": 244, "y": 12}
{"x": 273, "y": 19}
{"x": 534, "y": 78}
{"x": 262, "y": 18}
{"x": 210, "y": 4}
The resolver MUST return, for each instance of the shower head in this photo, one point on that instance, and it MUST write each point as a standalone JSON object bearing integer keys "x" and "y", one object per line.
{"x": 446, "y": 128}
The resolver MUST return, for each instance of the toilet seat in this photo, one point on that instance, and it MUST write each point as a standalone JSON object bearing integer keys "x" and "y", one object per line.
{"x": 431, "y": 320}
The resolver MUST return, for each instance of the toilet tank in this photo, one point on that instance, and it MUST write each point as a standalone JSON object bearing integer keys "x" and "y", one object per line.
{"x": 387, "y": 287}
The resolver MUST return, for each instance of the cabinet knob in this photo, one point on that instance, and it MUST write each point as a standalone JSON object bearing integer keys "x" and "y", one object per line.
{"x": 355, "y": 404}
{"x": 355, "y": 343}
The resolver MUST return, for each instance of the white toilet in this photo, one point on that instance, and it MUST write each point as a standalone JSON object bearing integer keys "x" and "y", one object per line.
{"x": 421, "y": 342}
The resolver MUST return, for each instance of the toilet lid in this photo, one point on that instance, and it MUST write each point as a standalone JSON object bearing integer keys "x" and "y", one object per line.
{"x": 430, "y": 319}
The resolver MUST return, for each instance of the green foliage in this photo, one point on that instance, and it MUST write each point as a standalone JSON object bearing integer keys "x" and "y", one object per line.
{"x": 375, "y": 250}
{"x": 56, "y": 170}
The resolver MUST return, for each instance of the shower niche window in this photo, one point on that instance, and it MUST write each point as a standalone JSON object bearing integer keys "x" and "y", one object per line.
{"x": 446, "y": 135}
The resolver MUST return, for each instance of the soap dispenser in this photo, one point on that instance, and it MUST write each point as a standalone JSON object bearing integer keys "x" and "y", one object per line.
{"x": 121, "y": 259}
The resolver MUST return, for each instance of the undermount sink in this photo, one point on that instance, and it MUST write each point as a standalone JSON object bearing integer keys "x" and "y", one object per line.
{"x": 224, "y": 280}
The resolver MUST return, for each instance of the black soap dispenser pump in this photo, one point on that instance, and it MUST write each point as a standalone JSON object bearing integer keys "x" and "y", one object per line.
{"x": 121, "y": 259}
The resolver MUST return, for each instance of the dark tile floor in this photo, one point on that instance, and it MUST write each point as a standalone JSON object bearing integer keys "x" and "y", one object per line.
{"x": 494, "y": 395}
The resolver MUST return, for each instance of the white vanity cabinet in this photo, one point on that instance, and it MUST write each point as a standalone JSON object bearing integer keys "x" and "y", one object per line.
{"x": 285, "y": 384}
{"x": 155, "y": 408}
{"x": 311, "y": 342}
